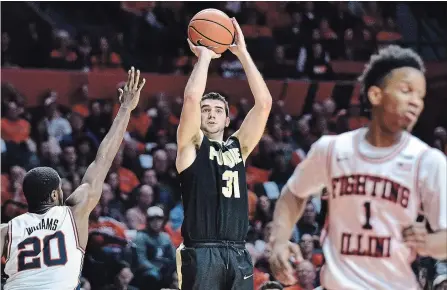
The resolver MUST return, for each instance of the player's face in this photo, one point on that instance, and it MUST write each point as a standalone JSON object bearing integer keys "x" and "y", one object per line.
{"x": 214, "y": 118}
{"x": 400, "y": 101}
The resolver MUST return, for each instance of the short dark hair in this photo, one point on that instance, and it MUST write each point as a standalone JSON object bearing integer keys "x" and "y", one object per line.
{"x": 271, "y": 285}
{"x": 381, "y": 64}
{"x": 217, "y": 96}
{"x": 38, "y": 184}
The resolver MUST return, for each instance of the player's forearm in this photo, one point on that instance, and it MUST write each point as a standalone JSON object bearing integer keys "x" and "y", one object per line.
{"x": 197, "y": 81}
{"x": 288, "y": 211}
{"x": 108, "y": 148}
{"x": 437, "y": 245}
{"x": 258, "y": 87}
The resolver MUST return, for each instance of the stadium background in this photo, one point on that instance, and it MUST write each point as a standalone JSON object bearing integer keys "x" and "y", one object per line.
{"x": 62, "y": 63}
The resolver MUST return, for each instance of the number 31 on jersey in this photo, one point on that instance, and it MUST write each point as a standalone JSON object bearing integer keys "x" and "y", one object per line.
{"x": 232, "y": 184}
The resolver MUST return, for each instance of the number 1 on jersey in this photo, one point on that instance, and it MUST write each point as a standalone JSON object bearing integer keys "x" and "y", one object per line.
{"x": 367, "y": 225}
{"x": 232, "y": 179}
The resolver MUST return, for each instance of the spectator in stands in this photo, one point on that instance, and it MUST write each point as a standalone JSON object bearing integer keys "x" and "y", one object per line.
{"x": 84, "y": 51}
{"x": 264, "y": 211}
{"x": 168, "y": 183}
{"x": 114, "y": 182}
{"x": 127, "y": 179}
{"x": 136, "y": 216}
{"x": 389, "y": 33}
{"x": 14, "y": 128}
{"x": 318, "y": 66}
{"x": 309, "y": 18}
{"x": 49, "y": 152}
{"x": 122, "y": 276}
{"x": 54, "y": 122}
{"x": 107, "y": 236}
{"x": 174, "y": 225}
{"x": 111, "y": 205}
{"x": 98, "y": 121}
{"x": 306, "y": 276}
{"x": 63, "y": 57}
{"x": 106, "y": 57}
{"x": 81, "y": 101}
{"x": 11, "y": 185}
{"x": 308, "y": 252}
{"x": 69, "y": 164}
{"x": 308, "y": 224}
{"x": 156, "y": 255}
{"x": 79, "y": 132}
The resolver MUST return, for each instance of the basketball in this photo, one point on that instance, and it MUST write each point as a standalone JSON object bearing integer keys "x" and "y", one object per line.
{"x": 211, "y": 28}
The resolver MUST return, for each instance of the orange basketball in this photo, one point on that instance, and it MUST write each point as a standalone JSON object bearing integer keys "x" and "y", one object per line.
{"x": 211, "y": 28}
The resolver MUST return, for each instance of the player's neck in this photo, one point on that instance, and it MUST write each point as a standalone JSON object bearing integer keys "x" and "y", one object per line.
{"x": 378, "y": 137}
{"x": 215, "y": 136}
{"x": 41, "y": 210}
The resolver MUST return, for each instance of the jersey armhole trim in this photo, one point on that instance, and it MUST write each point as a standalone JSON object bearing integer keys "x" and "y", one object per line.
{"x": 75, "y": 230}
{"x": 416, "y": 180}
{"x": 8, "y": 253}
{"x": 329, "y": 160}
{"x": 236, "y": 139}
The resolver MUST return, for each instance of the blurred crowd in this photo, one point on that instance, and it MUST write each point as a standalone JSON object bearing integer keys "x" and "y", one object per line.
{"x": 298, "y": 39}
{"x": 135, "y": 228}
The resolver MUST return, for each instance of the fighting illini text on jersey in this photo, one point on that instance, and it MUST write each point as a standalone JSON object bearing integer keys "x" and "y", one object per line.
{"x": 214, "y": 193}
{"x": 43, "y": 251}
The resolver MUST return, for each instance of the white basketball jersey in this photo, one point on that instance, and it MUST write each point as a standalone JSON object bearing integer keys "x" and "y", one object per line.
{"x": 44, "y": 251}
{"x": 370, "y": 200}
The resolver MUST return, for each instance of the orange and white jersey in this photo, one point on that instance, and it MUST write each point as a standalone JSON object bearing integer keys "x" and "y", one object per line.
{"x": 43, "y": 251}
{"x": 373, "y": 193}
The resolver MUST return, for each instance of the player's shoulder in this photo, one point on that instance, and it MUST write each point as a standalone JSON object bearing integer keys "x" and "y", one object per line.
{"x": 328, "y": 140}
{"x": 415, "y": 145}
{"x": 433, "y": 157}
{"x": 20, "y": 218}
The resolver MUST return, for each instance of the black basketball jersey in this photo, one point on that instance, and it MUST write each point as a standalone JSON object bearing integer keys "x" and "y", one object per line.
{"x": 214, "y": 193}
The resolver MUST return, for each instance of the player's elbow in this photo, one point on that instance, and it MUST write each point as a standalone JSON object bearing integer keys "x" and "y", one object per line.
{"x": 290, "y": 204}
{"x": 192, "y": 97}
{"x": 265, "y": 104}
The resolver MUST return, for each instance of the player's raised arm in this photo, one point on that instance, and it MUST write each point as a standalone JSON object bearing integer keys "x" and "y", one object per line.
{"x": 188, "y": 131}
{"x": 253, "y": 126}
{"x": 87, "y": 195}
{"x": 308, "y": 178}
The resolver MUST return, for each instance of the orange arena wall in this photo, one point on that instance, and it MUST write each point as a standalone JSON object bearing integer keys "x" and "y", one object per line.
{"x": 33, "y": 83}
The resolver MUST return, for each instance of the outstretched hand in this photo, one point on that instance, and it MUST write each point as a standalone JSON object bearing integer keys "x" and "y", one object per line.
{"x": 130, "y": 95}
{"x": 201, "y": 51}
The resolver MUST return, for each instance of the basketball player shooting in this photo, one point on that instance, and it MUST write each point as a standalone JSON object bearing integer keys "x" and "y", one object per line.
{"x": 45, "y": 246}
{"x": 378, "y": 178}
{"x": 213, "y": 179}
